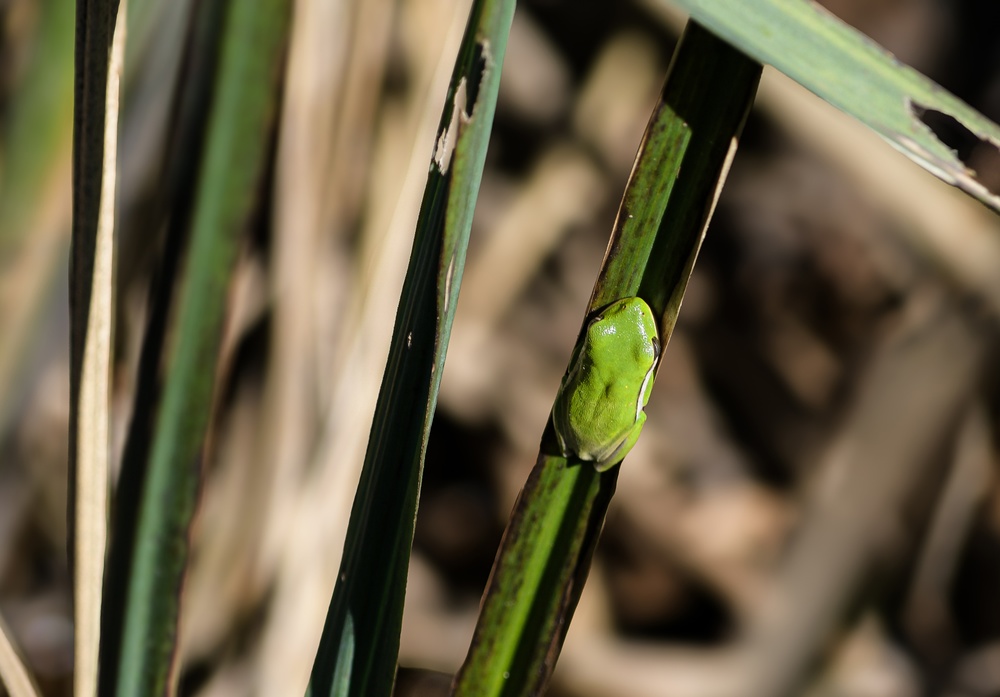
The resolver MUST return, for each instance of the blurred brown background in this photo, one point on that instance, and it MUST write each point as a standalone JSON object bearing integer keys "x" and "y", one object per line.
{"x": 813, "y": 506}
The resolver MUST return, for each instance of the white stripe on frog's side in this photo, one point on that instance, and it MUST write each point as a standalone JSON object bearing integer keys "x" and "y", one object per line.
{"x": 639, "y": 406}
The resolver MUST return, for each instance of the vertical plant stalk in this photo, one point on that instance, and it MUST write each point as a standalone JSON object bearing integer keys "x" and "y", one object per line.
{"x": 93, "y": 446}
{"x": 99, "y": 53}
{"x": 229, "y": 194}
{"x": 546, "y": 551}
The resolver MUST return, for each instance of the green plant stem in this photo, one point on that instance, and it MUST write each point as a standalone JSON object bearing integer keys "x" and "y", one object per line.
{"x": 547, "y": 548}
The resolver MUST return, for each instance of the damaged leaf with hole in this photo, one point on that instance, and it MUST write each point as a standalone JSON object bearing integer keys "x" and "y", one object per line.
{"x": 850, "y": 71}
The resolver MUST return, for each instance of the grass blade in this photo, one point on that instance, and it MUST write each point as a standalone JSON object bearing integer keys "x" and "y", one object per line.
{"x": 237, "y": 147}
{"x": 172, "y": 210}
{"x": 856, "y": 75}
{"x": 546, "y": 551}
{"x": 357, "y": 653}
{"x": 100, "y": 50}
{"x": 14, "y": 674}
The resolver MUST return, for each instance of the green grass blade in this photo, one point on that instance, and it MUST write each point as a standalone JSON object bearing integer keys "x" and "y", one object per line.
{"x": 849, "y": 70}
{"x": 357, "y": 653}
{"x": 237, "y": 147}
{"x": 172, "y": 210}
{"x": 100, "y": 50}
{"x": 546, "y": 551}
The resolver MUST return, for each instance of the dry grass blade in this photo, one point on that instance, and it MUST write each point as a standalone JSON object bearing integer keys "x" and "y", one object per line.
{"x": 14, "y": 674}
{"x": 93, "y": 451}
{"x": 93, "y": 379}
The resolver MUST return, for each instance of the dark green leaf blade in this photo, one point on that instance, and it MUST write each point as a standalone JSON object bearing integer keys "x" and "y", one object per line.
{"x": 178, "y": 184}
{"x": 357, "y": 653}
{"x": 237, "y": 147}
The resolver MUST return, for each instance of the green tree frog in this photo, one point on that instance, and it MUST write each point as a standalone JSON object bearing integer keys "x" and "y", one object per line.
{"x": 598, "y": 413}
